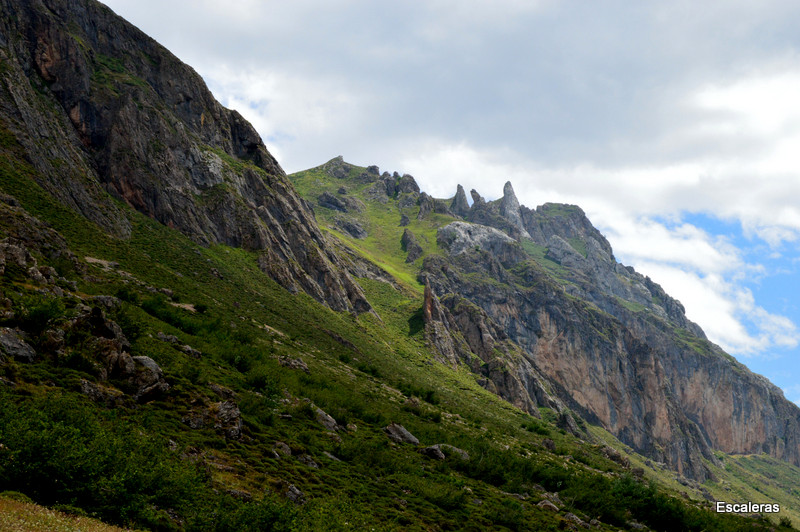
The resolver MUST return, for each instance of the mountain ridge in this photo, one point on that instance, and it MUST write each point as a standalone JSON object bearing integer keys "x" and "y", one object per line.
{"x": 213, "y": 178}
{"x": 607, "y": 341}
{"x": 187, "y": 343}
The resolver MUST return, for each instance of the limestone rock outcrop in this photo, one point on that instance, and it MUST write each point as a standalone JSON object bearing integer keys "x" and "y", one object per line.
{"x": 410, "y": 245}
{"x": 459, "y": 206}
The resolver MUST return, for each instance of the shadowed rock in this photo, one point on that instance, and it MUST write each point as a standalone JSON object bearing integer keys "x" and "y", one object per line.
{"x": 409, "y": 244}
{"x": 459, "y": 205}
{"x": 398, "y": 434}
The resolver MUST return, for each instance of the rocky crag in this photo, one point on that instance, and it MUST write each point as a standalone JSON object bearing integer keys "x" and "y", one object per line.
{"x": 105, "y": 113}
{"x": 610, "y": 342}
{"x": 534, "y": 302}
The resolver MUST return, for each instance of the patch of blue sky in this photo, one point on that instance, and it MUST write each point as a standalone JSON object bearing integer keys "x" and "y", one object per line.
{"x": 774, "y": 288}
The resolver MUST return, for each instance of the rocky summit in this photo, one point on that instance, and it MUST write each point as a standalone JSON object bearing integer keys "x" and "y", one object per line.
{"x": 190, "y": 339}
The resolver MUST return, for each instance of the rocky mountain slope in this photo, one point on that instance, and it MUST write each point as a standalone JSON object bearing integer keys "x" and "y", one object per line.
{"x": 534, "y": 301}
{"x": 134, "y": 123}
{"x": 188, "y": 344}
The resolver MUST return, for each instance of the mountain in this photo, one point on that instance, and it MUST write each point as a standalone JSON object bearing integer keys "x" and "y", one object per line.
{"x": 534, "y": 301}
{"x": 137, "y": 125}
{"x": 192, "y": 340}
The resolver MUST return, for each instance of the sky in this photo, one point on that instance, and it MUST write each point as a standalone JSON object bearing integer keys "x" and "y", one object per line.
{"x": 674, "y": 125}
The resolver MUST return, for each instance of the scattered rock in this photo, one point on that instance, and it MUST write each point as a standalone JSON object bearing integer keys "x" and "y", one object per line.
{"x": 101, "y": 394}
{"x": 405, "y": 201}
{"x": 410, "y": 245}
{"x": 404, "y": 220}
{"x": 452, "y": 449}
{"x": 14, "y": 346}
{"x": 329, "y": 455}
{"x": 426, "y": 205}
{"x": 148, "y": 379}
{"x": 228, "y": 419}
{"x": 407, "y": 184}
{"x": 191, "y": 351}
{"x": 308, "y": 460}
{"x": 106, "y": 302}
{"x": 440, "y": 451}
{"x": 293, "y": 363}
{"x": 169, "y": 338}
{"x": 615, "y": 456}
{"x": 567, "y": 422}
{"x": 509, "y": 209}
{"x": 433, "y": 452}
{"x": 462, "y": 237}
{"x": 326, "y": 420}
{"x": 572, "y": 518}
{"x": 240, "y": 494}
{"x": 344, "y": 204}
{"x": 547, "y": 505}
{"x": 459, "y": 205}
{"x": 554, "y": 498}
{"x": 283, "y": 449}
{"x": 294, "y": 494}
{"x": 398, "y": 433}
{"x": 225, "y": 417}
{"x": 222, "y": 391}
{"x": 351, "y": 227}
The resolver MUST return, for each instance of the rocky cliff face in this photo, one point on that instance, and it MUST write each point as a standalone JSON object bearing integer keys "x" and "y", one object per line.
{"x": 104, "y": 111}
{"x": 601, "y": 338}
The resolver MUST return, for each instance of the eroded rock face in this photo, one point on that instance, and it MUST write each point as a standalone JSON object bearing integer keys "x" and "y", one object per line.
{"x": 462, "y": 237}
{"x": 14, "y": 347}
{"x": 459, "y": 206}
{"x": 136, "y": 123}
{"x": 509, "y": 209}
{"x": 462, "y": 333}
{"x": 619, "y": 366}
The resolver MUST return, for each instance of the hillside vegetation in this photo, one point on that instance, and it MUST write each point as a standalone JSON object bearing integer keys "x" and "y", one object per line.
{"x": 188, "y": 344}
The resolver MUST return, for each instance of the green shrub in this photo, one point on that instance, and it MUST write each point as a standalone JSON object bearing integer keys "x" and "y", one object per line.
{"x": 39, "y": 314}
{"x": 59, "y": 450}
{"x": 263, "y": 379}
{"x": 127, "y": 294}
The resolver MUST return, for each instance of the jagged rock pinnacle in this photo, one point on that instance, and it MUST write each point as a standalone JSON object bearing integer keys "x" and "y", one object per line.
{"x": 509, "y": 209}
{"x": 459, "y": 204}
{"x": 476, "y": 198}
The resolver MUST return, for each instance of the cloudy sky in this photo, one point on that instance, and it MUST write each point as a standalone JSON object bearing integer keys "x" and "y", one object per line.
{"x": 674, "y": 125}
